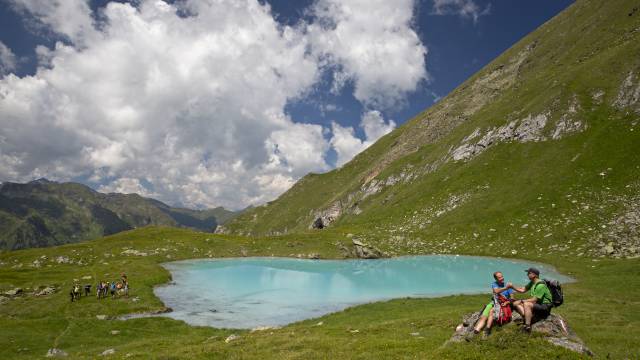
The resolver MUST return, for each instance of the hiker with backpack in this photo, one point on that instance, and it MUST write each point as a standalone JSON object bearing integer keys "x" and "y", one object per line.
{"x": 499, "y": 309}
{"x": 539, "y": 305}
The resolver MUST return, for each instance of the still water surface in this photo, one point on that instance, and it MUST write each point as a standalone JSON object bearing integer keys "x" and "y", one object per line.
{"x": 252, "y": 292}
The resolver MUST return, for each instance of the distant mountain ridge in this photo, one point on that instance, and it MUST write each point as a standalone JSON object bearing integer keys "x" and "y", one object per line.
{"x": 46, "y": 213}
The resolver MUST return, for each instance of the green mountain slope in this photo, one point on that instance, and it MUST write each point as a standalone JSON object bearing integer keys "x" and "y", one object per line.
{"x": 542, "y": 146}
{"x": 44, "y": 213}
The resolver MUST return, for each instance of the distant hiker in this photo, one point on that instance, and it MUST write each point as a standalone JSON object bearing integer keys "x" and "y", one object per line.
{"x": 99, "y": 290}
{"x": 126, "y": 287}
{"x": 113, "y": 289}
{"x": 87, "y": 289}
{"x": 75, "y": 292}
{"x": 539, "y": 305}
{"x": 105, "y": 289}
{"x": 499, "y": 309}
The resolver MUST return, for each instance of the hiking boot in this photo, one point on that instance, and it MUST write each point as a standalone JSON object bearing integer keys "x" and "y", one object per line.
{"x": 486, "y": 333}
{"x": 526, "y": 329}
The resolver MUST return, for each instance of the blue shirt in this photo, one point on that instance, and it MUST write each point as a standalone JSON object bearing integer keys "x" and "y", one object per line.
{"x": 507, "y": 293}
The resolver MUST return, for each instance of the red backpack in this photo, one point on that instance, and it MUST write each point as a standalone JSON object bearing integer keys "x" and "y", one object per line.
{"x": 501, "y": 310}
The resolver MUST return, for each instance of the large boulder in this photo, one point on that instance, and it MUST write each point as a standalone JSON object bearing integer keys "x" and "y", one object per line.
{"x": 13, "y": 292}
{"x": 365, "y": 251}
{"x": 554, "y": 328}
{"x": 48, "y": 290}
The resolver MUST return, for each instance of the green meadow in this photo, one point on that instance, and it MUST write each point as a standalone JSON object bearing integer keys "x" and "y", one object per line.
{"x": 602, "y": 307}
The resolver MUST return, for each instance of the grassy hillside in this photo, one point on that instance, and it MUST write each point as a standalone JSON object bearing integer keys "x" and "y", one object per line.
{"x": 44, "y": 213}
{"x": 541, "y": 146}
{"x": 606, "y": 317}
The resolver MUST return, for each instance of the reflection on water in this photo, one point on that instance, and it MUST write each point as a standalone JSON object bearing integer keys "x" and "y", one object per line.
{"x": 251, "y": 292}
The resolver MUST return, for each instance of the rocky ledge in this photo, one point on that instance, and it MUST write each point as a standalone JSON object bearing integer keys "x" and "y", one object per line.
{"x": 554, "y": 328}
{"x": 361, "y": 250}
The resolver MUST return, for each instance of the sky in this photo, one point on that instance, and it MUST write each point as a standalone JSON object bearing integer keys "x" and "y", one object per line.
{"x": 206, "y": 103}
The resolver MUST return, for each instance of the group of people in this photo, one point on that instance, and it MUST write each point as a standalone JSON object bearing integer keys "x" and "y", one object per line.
{"x": 534, "y": 308}
{"x": 104, "y": 289}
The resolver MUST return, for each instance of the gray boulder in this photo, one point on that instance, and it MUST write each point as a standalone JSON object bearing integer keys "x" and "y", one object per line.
{"x": 365, "y": 251}
{"x": 14, "y": 292}
{"x": 108, "y": 352}
{"x": 56, "y": 353}
{"x": 554, "y": 328}
{"x": 46, "y": 291}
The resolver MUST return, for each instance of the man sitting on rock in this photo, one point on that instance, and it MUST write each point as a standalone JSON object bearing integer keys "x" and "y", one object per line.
{"x": 499, "y": 288}
{"x": 538, "y": 306}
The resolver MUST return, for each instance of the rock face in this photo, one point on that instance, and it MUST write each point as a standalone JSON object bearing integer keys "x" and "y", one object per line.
{"x": 525, "y": 130}
{"x": 554, "y": 328}
{"x": 365, "y": 251}
{"x": 629, "y": 93}
{"x": 360, "y": 250}
{"x": 326, "y": 217}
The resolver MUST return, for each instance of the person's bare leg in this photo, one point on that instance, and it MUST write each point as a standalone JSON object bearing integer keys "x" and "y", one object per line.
{"x": 519, "y": 309}
{"x": 480, "y": 324}
{"x": 528, "y": 314}
{"x": 490, "y": 320}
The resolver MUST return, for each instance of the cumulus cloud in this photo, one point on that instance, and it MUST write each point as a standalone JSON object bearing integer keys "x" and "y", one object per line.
{"x": 7, "y": 59}
{"x": 127, "y": 186}
{"x": 347, "y": 144}
{"x": 189, "y": 97}
{"x": 372, "y": 43}
{"x": 463, "y": 8}
{"x": 70, "y": 18}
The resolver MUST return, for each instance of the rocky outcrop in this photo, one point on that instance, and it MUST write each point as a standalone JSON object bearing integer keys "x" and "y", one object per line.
{"x": 134, "y": 252}
{"x": 13, "y": 292}
{"x": 621, "y": 239}
{"x": 56, "y": 353}
{"x": 554, "y": 328}
{"x": 568, "y": 124}
{"x": 360, "y": 249}
{"x": 629, "y": 93}
{"x": 48, "y": 290}
{"x": 365, "y": 251}
{"x": 324, "y": 218}
{"x": 527, "y": 129}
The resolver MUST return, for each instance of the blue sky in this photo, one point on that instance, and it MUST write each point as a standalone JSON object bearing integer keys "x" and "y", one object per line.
{"x": 202, "y": 105}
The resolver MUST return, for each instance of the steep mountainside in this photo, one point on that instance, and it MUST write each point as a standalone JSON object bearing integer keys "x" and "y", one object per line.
{"x": 537, "y": 153}
{"x": 44, "y": 213}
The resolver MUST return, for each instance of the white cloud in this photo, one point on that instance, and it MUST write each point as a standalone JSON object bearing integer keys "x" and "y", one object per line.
{"x": 347, "y": 144}
{"x": 71, "y": 18}
{"x": 372, "y": 43}
{"x": 194, "y": 105}
{"x": 7, "y": 59}
{"x": 127, "y": 186}
{"x": 463, "y": 8}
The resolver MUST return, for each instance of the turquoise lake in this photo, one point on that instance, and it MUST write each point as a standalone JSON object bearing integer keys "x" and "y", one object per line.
{"x": 246, "y": 293}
